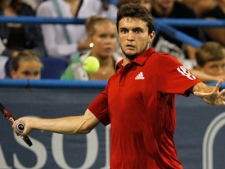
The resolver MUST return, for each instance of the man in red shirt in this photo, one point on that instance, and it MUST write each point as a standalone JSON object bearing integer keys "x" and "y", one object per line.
{"x": 138, "y": 100}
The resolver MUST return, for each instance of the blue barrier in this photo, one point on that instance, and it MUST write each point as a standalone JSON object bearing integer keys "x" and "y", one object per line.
{"x": 40, "y": 20}
{"x": 177, "y": 34}
{"x": 193, "y": 22}
{"x": 49, "y": 83}
{"x": 172, "y": 21}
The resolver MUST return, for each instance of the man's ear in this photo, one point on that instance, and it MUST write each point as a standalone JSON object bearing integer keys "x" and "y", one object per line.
{"x": 151, "y": 37}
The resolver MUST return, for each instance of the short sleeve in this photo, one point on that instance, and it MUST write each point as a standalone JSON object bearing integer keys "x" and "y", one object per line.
{"x": 99, "y": 107}
{"x": 173, "y": 77}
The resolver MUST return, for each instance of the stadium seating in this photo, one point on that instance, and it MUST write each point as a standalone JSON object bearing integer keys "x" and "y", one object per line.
{"x": 53, "y": 67}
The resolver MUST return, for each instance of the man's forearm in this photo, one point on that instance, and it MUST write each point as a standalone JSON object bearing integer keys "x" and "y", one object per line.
{"x": 65, "y": 125}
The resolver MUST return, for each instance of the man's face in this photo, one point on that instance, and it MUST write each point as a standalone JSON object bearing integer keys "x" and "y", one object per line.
{"x": 214, "y": 68}
{"x": 133, "y": 36}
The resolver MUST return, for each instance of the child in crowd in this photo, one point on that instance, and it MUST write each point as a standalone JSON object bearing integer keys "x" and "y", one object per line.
{"x": 210, "y": 57}
{"x": 27, "y": 65}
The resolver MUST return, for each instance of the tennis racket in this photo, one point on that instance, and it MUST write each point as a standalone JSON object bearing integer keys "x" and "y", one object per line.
{"x": 20, "y": 126}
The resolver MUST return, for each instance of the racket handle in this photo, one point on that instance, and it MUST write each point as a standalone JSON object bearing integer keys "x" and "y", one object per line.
{"x": 27, "y": 140}
{"x": 20, "y": 127}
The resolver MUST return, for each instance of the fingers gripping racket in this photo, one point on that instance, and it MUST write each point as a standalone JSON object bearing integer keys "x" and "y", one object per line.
{"x": 20, "y": 126}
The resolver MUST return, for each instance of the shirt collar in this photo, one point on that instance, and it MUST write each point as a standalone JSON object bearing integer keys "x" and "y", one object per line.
{"x": 140, "y": 60}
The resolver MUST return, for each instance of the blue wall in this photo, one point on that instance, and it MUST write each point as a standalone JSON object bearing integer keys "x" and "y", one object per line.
{"x": 199, "y": 134}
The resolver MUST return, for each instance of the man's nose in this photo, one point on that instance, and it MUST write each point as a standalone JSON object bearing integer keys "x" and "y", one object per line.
{"x": 130, "y": 36}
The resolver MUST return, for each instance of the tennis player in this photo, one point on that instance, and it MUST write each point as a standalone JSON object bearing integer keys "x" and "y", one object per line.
{"x": 138, "y": 100}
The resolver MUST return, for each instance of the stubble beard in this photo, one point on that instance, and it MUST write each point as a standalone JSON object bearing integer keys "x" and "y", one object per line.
{"x": 129, "y": 56}
{"x": 133, "y": 56}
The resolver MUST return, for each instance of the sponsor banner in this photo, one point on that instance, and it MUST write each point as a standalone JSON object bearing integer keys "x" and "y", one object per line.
{"x": 199, "y": 136}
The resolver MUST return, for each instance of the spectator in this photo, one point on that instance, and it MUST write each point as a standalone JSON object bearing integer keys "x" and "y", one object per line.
{"x": 146, "y": 3}
{"x": 27, "y": 65}
{"x": 2, "y": 46}
{"x": 210, "y": 57}
{"x": 17, "y": 37}
{"x": 3, "y": 61}
{"x": 166, "y": 43}
{"x": 102, "y": 35}
{"x": 200, "y": 6}
{"x": 65, "y": 40}
{"x": 217, "y": 12}
{"x": 33, "y": 4}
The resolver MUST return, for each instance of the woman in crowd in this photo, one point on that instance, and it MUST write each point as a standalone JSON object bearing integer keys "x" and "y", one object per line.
{"x": 16, "y": 36}
{"x": 65, "y": 40}
{"x": 102, "y": 37}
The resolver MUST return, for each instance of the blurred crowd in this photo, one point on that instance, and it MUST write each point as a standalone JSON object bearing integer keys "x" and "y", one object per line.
{"x": 24, "y": 45}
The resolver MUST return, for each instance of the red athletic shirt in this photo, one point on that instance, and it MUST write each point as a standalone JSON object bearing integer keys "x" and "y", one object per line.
{"x": 139, "y": 103}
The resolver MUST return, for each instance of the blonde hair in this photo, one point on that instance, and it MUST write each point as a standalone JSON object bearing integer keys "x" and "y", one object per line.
{"x": 94, "y": 20}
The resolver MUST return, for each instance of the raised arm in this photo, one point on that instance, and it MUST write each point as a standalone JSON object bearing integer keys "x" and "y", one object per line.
{"x": 65, "y": 125}
{"x": 210, "y": 94}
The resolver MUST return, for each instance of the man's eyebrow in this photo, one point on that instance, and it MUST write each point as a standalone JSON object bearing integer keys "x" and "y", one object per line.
{"x": 131, "y": 28}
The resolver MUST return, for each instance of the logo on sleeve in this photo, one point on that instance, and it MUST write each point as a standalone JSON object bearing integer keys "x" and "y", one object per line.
{"x": 186, "y": 73}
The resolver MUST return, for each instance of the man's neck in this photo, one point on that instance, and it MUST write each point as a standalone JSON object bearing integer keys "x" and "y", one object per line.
{"x": 125, "y": 60}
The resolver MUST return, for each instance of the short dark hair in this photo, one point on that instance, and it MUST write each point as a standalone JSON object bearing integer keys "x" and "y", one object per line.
{"x": 135, "y": 11}
{"x": 209, "y": 51}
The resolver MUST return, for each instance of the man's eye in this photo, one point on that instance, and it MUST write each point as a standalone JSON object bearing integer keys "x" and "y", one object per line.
{"x": 137, "y": 31}
{"x": 123, "y": 31}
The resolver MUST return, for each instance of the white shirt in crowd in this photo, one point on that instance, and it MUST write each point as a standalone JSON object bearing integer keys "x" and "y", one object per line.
{"x": 54, "y": 39}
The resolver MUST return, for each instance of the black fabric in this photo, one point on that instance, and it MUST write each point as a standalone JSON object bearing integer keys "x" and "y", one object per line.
{"x": 179, "y": 11}
{"x": 32, "y": 32}
{"x": 17, "y": 39}
{"x": 215, "y": 13}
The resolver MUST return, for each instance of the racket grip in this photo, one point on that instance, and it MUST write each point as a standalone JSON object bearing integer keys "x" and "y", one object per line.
{"x": 20, "y": 127}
